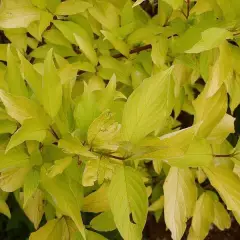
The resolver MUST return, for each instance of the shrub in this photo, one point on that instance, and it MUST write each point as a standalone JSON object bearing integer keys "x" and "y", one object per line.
{"x": 92, "y": 98}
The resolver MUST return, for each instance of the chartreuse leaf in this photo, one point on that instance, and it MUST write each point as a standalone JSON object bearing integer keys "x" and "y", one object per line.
{"x": 211, "y": 38}
{"x": 59, "y": 166}
{"x": 175, "y": 4}
{"x": 13, "y": 179}
{"x": 222, "y": 70}
{"x": 14, "y": 78}
{"x": 72, "y": 145}
{"x": 203, "y": 216}
{"x": 227, "y": 185}
{"x": 71, "y": 7}
{"x": 32, "y": 77}
{"x": 118, "y": 44}
{"x": 148, "y": 106}
{"x": 21, "y": 108}
{"x": 60, "y": 228}
{"x": 99, "y": 170}
{"x": 180, "y": 194}
{"x": 103, "y": 130}
{"x": 34, "y": 208}
{"x": 159, "y": 51}
{"x": 103, "y": 222}
{"x": 13, "y": 159}
{"x": 30, "y": 185}
{"x": 221, "y": 217}
{"x": 67, "y": 195}
{"x": 52, "y": 88}
{"x": 39, "y": 3}
{"x": 87, "y": 48}
{"x": 157, "y": 205}
{"x": 97, "y": 201}
{"x": 18, "y": 16}
{"x": 4, "y": 208}
{"x": 209, "y": 111}
{"x": 129, "y": 202}
{"x": 31, "y": 129}
{"x": 86, "y": 110}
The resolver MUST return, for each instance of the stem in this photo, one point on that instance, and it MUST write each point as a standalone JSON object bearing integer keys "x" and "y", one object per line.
{"x": 54, "y": 133}
{"x": 222, "y": 155}
{"x": 188, "y": 8}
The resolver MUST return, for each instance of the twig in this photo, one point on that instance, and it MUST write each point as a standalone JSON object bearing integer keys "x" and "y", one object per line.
{"x": 222, "y": 155}
{"x": 188, "y": 8}
{"x": 54, "y": 133}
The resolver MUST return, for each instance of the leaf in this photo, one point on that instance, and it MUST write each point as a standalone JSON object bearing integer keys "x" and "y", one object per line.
{"x": 103, "y": 130}
{"x": 87, "y": 48}
{"x": 4, "y": 208}
{"x": 14, "y": 78}
{"x": 209, "y": 111}
{"x": 31, "y": 129}
{"x": 227, "y": 185}
{"x": 175, "y": 4}
{"x": 66, "y": 194}
{"x": 128, "y": 201}
{"x": 34, "y": 208}
{"x": 13, "y": 179}
{"x": 159, "y": 51}
{"x": 97, "y": 201}
{"x": 72, "y": 145}
{"x": 180, "y": 194}
{"x": 221, "y": 218}
{"x": 7, "y": 126}
{"x": 98, "y": 170}
{"x": 103, "y": 222}
{"x": 71, "y": 7}
{"x": 203, "y": 216}
{"x": 32, "y": 77}
{"x": 18, "y": 17}
{"x": 211, "y": 38}
{"x": 13, "y": 159}
{"x": 3, "y": 52}
{"x": 157, "y": 205}
{"x": 52, "y": 88}
{"x": 21, "y": 108}
{"x": 148, "y": 106}
{"x": 30, "y": 185}
{"x": 39, "y": 3}
{"x": 55, "y": 229}
{"x": 59, "y": 166}
{"x": 118, "y": 44}
{"x": 86, "y": 111}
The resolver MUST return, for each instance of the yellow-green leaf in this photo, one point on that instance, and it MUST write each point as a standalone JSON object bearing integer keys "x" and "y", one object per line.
{"x": 129, "y": 202}
{"x": 180, "y": 194}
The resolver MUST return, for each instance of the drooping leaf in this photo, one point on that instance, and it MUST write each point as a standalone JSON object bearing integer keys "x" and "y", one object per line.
{"x": 221, "y": 217}
{"x": 203, "y": 216}
{"x": 180, "y": 194}
{"x": 128, "y": 202}
{"x": 175, "y": 4}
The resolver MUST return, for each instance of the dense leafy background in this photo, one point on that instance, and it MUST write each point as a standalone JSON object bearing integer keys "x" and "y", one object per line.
{"x": 112, "y": 111}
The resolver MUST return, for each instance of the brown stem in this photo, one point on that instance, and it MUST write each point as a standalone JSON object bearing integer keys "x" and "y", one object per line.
{"x": 188, "y": 8}
{"x": 222, "y": 155}
{"x": 54, "y": 133}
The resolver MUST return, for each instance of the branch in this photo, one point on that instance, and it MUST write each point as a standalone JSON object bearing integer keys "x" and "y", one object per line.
{"x": 188, "y": 8}
{"x": 54, "y": 133}
{"x": 222, "y": 155}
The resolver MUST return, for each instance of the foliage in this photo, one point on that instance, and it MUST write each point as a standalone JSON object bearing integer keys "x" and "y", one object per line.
{"x": 92, "y": 93}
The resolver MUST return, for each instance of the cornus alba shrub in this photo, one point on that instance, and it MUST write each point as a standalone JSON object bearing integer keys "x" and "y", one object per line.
{"x": 91, "y": 93}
